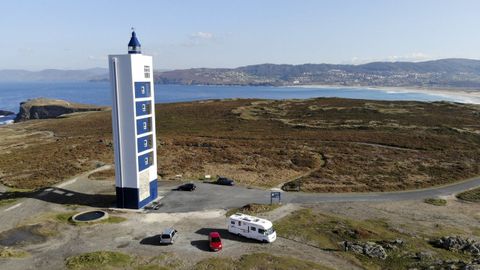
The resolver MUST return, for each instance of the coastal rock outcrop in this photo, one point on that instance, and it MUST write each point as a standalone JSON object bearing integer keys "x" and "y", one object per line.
{"x": 456, "y": 243}
{"x": 370, "y": 249}
{"x": 5, "y": 113}
{"x": 42, "y": 108}
{"x": 455, "y": 264}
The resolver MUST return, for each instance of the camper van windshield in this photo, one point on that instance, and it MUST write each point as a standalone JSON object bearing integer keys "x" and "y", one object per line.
{"x": 266, "y": 232}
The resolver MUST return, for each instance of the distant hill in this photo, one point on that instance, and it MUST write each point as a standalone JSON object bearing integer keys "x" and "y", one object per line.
{"x": 14, "y": 75}
{"x": 445, "y": 73}
{"x": 91, "y": 74}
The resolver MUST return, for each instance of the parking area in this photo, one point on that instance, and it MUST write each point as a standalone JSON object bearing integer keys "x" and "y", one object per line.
{"x": 207, "y": 196}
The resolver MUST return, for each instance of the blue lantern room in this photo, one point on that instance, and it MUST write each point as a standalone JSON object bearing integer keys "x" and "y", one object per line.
{"x": 134, "y": 45}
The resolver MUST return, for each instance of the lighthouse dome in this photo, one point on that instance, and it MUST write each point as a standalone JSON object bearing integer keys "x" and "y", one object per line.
{"x": 134, "y": 45}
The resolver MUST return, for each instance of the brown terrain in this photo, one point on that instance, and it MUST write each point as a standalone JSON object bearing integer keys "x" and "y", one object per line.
{"x": 317, "y": 145}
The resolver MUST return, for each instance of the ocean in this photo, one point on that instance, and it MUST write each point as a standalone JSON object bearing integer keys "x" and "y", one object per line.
{"x": 98, "y": 93}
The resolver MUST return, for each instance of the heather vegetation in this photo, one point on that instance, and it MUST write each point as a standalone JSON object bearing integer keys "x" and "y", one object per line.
{"x": 472, "y": 195}
{"x": 318, "y": 145}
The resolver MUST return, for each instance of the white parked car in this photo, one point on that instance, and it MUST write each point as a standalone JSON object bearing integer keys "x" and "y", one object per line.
{"x": 168, "y": 236}
{"x": 252, "y": 227}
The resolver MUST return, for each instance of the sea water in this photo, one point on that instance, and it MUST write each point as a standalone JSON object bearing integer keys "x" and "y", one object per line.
{"x": 99, "y": 93}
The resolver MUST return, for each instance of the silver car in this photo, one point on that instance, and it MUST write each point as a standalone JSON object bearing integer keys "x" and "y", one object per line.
{"x": 168, "y": 236}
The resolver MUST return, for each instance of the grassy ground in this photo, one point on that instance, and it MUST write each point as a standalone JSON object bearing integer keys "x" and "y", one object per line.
{"x": 471, "y": 195}
{"x": 252, "y": 209}
{"x": 4, "y": 202}
{"x": 98, "y": 260}
{"x": 11, "y": 195}
{"x": 328, "y": 144}
{"x": 12, "y": 253}
{"x": 436, "y": 201}
{"x": 327, "y": 232}
{"x": 262, "y": 261}
{"x": 164, "y": 261}
{"x": 118, "y": 260}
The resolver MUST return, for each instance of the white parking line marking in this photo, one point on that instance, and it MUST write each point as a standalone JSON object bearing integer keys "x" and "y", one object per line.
{"x": 66, "y": 183}
{"x": 12, "y": 207}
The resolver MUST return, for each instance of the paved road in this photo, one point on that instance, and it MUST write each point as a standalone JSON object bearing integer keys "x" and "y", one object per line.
{"x": 210, "y": 196}
{"x": 84, "y": 192}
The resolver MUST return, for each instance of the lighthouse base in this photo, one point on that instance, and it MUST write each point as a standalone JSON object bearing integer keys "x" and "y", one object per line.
{"x": 129, "y": 197}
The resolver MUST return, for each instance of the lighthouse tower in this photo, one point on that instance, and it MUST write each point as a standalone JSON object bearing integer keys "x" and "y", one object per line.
{"x": 133, "y": 122}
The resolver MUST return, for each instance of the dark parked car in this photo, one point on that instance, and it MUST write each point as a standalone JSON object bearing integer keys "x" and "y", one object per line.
{"x": 225, "y": 181}
{"x": 187, "y": 187}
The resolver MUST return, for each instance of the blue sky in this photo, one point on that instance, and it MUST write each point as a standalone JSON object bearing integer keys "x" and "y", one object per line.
{"x": 211, "y": 33}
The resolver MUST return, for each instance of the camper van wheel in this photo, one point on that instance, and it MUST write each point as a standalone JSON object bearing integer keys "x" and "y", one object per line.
{"x": 264, "y": 241}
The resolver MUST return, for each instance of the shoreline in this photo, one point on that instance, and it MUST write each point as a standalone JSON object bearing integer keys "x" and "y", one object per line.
{"x": 460, "y": 95}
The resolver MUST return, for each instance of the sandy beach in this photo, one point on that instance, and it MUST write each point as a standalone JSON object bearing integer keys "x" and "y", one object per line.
{"x": 462, "y": 96}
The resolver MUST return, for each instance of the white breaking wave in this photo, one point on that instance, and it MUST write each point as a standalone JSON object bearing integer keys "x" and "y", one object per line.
{"x": 6, "y": 119}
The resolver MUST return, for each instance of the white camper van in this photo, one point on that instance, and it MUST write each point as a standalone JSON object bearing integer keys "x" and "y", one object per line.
{"x": 252, "y": 227}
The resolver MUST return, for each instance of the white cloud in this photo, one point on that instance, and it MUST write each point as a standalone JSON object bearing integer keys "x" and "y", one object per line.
{"x": 202, "y": 35}
{"x": 199, "y": 38}
{"x": 410, "y": 57}
{"x": 416, "y": 56}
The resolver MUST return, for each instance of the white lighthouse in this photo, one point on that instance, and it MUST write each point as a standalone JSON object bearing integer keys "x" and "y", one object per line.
{"x": 133, "y": 122}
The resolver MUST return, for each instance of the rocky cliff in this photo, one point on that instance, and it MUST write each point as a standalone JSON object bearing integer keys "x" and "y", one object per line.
{"x": 5, "y": 113}
{"x": 42, "y": 108}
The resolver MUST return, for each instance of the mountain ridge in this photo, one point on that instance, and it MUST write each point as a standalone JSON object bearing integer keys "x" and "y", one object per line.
{"x": 14, "y": 75}
{"x": 455, "y": 73}
{"x": 443, "y": 73}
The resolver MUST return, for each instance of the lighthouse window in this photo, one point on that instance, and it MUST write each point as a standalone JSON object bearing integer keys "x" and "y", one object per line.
{"x": 144, "y": 143}
{"x": 145, "y": 161}
{"x": 143, "y": 108}
{"x": 143, "y": 126}
{"x": 142, "y": 89}
{"x": 146, "y": 70}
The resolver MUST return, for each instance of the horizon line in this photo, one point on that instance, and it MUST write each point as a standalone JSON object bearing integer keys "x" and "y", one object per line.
{"x": 265, "y": 63}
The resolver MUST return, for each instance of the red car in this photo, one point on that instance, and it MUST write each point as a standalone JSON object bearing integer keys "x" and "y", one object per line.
{"x": 215, "y": 241}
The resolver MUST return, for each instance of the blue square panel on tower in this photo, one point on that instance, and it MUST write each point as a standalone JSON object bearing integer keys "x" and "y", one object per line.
{"x": 142, "y": 89}
{"x": 145, "y": 161}
{"x": 144, "y": 143}
{"x": 144, "y": 125}
{"x": 143, "y": 107}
